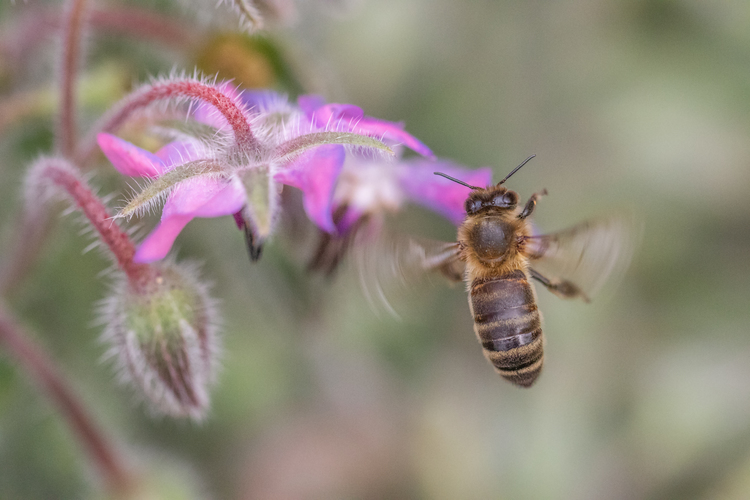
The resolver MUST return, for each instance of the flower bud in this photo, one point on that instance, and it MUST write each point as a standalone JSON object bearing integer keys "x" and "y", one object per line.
{"x": 164, "y": 339}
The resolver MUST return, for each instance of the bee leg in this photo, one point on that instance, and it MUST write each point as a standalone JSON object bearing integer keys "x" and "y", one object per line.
{"x": 531, "y": 204}
{"x": 562, "y": 288}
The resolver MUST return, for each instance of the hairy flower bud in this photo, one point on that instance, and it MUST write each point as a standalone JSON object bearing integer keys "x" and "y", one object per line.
{"x": 164, "y": 340}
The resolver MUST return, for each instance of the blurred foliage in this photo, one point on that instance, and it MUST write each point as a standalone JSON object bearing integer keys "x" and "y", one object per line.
{"x": 639, "y": 104}
{"x": 249, "y": 61}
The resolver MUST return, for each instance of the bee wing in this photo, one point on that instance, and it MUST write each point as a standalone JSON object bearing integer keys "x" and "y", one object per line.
{"x": 579, "y": 260}
{"x": 391, "y": 263}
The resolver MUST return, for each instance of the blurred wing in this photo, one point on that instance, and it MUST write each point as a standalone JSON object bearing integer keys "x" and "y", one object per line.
{"x": 390, "y": 264}
{"x": 579, "y": 260}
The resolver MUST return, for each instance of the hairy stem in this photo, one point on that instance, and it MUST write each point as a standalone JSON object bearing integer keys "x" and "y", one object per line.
{"x": 295, "y": 147}
{"x": 72, "y": 34}
{"x": 171, "y": 89}
{"x": 167, "y": 182}
{"x": 40, "y": 367}
{"x": 143, "y": 24}
{"x": 18, "y": 40}
{"x": 62, "y": 174}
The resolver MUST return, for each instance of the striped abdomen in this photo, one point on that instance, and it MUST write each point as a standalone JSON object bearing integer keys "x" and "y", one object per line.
{"x": 508, "y": 324}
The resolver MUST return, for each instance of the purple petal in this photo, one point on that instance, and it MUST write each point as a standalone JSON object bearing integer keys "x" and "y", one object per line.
{"x": 353, "y": 119}
{"x": 335, "y": 115}
{"x": 393, "y": 131}
{"x": 238, "y": 220}
{"x": 309, "y": 103}
{"x": 316, "y": 173}
{"x": 342, "y": 112}
{"x": 129, "y": 159}
{"x": 438, "y": 193}
{"x": 256, "y": 100}
{"x": 350, "y": 217}
{"x": 177, "y": 153}
{"x": 206, "y": 198}
{"x": 196, "y": 198}
{"x": 159, "y": 242}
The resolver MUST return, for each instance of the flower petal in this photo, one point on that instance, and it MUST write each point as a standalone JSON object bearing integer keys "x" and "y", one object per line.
{"x": 438, "y": 193}
{"x": 316, "y": 173}
{"x": 348, "y": 219}
{"x": 309, "y": 103}
{"x": 205, "y": 197}
{"x": 337, "y": 112}
{"x": 178, "y": 152}
{"x": 157, "y": 245}
{"x": 352, "y": 119}
{"x": 256, "y": 101}
{"x": 395, "y": 132}
{"x": 129, "y": 159}
{"x": 197, "y": 198}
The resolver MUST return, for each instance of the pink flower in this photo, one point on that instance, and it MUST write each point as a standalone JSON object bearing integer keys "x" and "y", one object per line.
{"x": 199, "y": 197}
{"x": 210, "y": 177}
{"x": 368, "y": 189}
{"x": 323, "y": 115}
{"x": 371, "y": 185}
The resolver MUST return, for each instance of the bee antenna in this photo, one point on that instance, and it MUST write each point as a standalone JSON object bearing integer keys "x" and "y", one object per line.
{"x": 527, "y": 160}
{"x": 455, "y": 180}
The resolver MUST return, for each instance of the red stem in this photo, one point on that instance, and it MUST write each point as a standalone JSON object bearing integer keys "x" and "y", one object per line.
{"x": 64, "y": 175}
{"x": 35, "y": 361}
{"x": 142, "y": 24}
{"x": 18, "y": 40}
{"x": 149, "y": 94}
{"x": 71, "y": 55}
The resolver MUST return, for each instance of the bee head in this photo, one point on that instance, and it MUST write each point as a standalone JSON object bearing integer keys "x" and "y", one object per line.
{"x": 493, "y": 197}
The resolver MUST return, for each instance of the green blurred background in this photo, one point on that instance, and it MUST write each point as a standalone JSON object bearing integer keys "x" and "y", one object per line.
{"x": 633, "y": 105}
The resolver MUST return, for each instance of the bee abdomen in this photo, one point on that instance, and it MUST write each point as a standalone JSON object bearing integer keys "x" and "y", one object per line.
{"x": 508, "y": 324}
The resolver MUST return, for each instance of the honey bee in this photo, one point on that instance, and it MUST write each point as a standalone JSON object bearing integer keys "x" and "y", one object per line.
{"x": 497, "y": 254}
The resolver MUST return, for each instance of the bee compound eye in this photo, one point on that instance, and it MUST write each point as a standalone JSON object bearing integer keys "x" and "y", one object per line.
{"x": 475, "y": 206}
{"x": 510, "y": 198}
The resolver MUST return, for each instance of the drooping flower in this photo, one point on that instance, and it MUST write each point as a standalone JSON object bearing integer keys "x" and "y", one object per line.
{"x": 318, "y": 184}
{"x": 209, "y": 176}
{"x": 370, "y": 185}
{"x": 369, "y": 188}
{"x": 322, "y": 115}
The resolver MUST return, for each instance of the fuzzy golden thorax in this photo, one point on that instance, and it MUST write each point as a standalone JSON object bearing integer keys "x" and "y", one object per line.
{"x": 491, "y": 236}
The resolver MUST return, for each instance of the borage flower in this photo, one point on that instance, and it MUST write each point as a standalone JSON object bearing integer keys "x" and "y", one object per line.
{"x": 213, "y": 176}
{"x": 370, "y": 185}
{"x": 369, "y": 188}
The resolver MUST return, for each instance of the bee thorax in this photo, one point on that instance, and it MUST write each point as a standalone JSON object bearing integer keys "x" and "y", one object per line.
{"x": 491, "y": 239}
